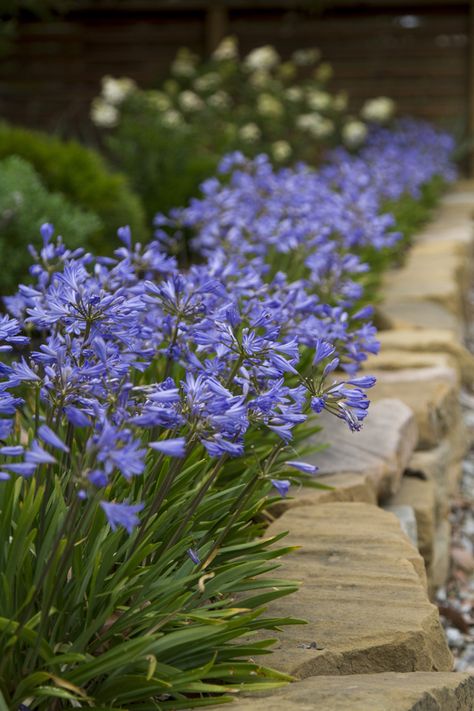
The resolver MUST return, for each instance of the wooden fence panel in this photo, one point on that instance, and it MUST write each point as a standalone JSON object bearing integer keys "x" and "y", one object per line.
{"x": 421, "y": 59}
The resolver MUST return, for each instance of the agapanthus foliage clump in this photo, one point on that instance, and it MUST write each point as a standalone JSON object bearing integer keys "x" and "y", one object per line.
{"x": 149, "y": 413}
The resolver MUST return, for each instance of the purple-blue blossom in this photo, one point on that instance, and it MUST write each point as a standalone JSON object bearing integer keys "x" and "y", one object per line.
{"x": 125, "y": 515}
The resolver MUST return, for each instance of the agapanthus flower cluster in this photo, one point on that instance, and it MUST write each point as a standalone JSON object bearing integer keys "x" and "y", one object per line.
{"x": 394, "y": 161}
{"x": 132, "y": 360}
{"x": 123, "y": 362}
{"x": 324, "y": 217}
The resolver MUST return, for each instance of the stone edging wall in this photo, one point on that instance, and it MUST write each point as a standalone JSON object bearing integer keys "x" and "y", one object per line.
{"x": 375, "y": 548}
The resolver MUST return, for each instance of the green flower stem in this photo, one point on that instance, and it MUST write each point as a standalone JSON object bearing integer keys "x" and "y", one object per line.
{"x": 68, "y": 527}
{"x": 192, "y": 508}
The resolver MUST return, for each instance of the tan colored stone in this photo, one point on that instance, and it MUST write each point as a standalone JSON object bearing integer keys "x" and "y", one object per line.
{"x": 400, "y": 313}
{"x": 439, "y": 570}
{"x": 431, "y": 393}
{"x": 406, "y": 518}
{"x": 434, "y": 464}
{"x": 416, "y": 691}
{"x": 420, "y": 494}
{"x": 362, "y": 593}
{"x": 380, "y": 451}
{"x": 454, "y": 479}
{"x": 431, "y": 340}
{"x": 430, "y": 275}
{"x": 443, "y": 465}
{"x": 344, "y": 487}
{"x": 393, "y": 360}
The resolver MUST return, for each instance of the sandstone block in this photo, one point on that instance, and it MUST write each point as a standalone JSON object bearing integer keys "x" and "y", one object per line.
{"x": 362, "y": 593}
{"x": 379, "y": 452}
{"x": 345, "y": 487}
{"x": 431, "y": 393}
{"x": 418, "y": 691}
{"x": 393, "y": 360}
{"x": 407, "y": 520}
{"x": 429, "y": 275}
{"x": 431, "y": 340}
{"x": 439, "y": 570}
{"x": 434, "y": 464}
{"x": 404, "y": 313}
{"x": 420, "y": 494}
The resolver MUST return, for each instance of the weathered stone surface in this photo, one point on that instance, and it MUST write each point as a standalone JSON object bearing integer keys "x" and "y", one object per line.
{"x": 406, "y": 314}
{"x": 430, "y": 274}
{"x": 439, "y": 570}
{"x": 380, "y": 451}
{"x": 420, "y": 494}
{"x": 394, "y": 360}
{"x": 431, "y": 340}
{"x": 431, "y": 393}
{"x": 362, "y": 593}
{"x": 407, "y": 520}
{"x": 434, "y": 464}
{"x": 418, "y": 691}
{"x": 345, "y": 487}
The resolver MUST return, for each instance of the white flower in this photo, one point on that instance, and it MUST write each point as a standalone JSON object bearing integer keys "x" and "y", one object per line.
{"x": 354, "y": 133}
{"x": 379, "y": 110}
{"x": 306, "y": 57}
{"x": 219, "y": 100}
{"x": 268, "y": 106}
{"x": 315, "y": 124}
{"x": 172, "y": 118}
{"x": 227, "y": 49}
{"x": 324, "y": 72}
{"x": 250, "y": 133}
{"x": 159, "y": 100}
{"x": 318, "y": 100}
{"x": 184, "y": 64}
{"x": 207, "y": 82}
{"x": 281, "y": 151}
{"x": 294, "y": 93}
{"x": 103, "y": 114}
{"x": 114, "y": 91}
{"x": 339, "y": 102}
{"x": 262, "y": 58}
{"x": 259, "y": 79}
{"x": 189, "y": 101}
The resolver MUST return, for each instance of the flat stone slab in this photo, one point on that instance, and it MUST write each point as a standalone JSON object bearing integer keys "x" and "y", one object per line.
{"x": 404, "y": 313}
{"x": 345, "y": 487}
{"x": 393, "y": 360}
{"x": 363, "y": 595}
{"x": 418, "y": 691}
{"x": 430, "y": 340}
{"x": 441, "y": 465}
{"x": 407, "y": 520}
{"x": 435, "y": 275}
{"x": 431, "y": 393}
{"x": 379, "y": 452}
{"x": 441, "y": 557}
{"x": 421, "y": 496}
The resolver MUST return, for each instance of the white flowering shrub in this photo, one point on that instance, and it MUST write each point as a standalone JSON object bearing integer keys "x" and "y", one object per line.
{"x": 169, "y": 139}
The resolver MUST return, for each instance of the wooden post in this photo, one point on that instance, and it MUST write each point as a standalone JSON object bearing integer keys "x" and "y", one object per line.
{"x": 470, "y": 89}
{"x": 217, "y": 19}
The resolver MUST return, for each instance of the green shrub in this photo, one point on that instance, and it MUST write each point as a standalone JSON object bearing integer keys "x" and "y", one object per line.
{"x": 165, "y": 164}
{"x": 25, "y": 205}
{"x": 81, "y": 175}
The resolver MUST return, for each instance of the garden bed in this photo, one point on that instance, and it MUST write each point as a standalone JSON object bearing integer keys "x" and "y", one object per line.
{"x": 364, "y": 587}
